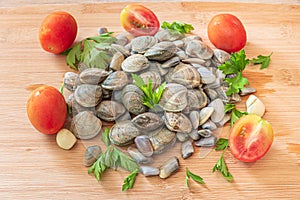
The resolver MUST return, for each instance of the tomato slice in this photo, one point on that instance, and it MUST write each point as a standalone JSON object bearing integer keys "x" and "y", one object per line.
{"x": 139, "y": 20}
{"x": 250, "y": 138}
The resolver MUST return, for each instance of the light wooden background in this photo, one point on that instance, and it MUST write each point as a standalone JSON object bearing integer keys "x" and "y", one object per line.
{"x": 33, "y": 167}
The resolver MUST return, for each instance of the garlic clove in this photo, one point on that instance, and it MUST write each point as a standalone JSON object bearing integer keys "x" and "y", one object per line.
{"x": 65, "y": 139}
{"x": 255, "y": 106}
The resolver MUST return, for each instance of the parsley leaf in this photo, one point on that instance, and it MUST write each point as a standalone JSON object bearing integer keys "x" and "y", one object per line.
{"x": 222, "y": 167}
{"x": 129, "y": 180}
{"x": 189, "y": 174}
{"x": 105, "y": 137}
{"x": 221, "y": 164}
{"x": 150, "y": 98}
{"x": 114, "y": 158}
{"x": 221, "y": 144}
{"x": 235, "y": 113}
{"x": 179, "y": 27}
{"x": 236, "y": 84}
{"x": 263, "y": 60}
{"x": 237, "y": 63}
{"x": 93, "y": 51}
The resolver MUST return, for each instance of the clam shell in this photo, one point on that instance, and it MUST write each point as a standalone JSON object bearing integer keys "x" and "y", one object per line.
{"x": 143, "y": 144}
{"x": 196, "y": 99}
{"x": 178, "y": 122}
{"x": 187, "y": 149}
{"x": 185, "y": 75}
{"x": 162, "y": 140}
{"x": 132, "y": 99}
{"x": 174, "y": 97}
{"x": 149, "y": 171}
{"x": 166, "y": 35}
{"x": 135, "y": 63}
{"x": 93, "y": 76}
{"x": 205, "y": 114}
{"x": 91, "y": 155}
{"x": 197, "y": 48}
{"x": 70, "y": 79}
{"x": 218, "y": 113}
{"x": 169, "y": 167}
{"x": 85, "y": 125}
{"x": 182, "y": 137}
{"x": 148, "y": 121}
{"x": 139, "y": 158}
{"x": 153, "y": 76}
{"x": 115, "y": 81}
{"x": 171, "y": 62}
{"x": 88, "y": 95}
{"x": 123, "y": 133}
{"x": 109, "y": 110}
{"x": 206, "y": 141}
{"x": 205, "y": 133}
{"x": 195, "y": 118}
{"x": 206, "y": 76}
{"x": 194, "y": 135}
{"x": 119, "y": 48}
{"x": 142, "y": 43}
{"x": 116, "y": 61}
{"x": 161, "y": 51}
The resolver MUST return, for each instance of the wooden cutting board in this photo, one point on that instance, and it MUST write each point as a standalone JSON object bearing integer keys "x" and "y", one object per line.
{"x": 33, "y": 167}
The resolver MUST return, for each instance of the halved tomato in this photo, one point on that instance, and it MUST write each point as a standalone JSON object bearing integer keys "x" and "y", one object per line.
{"x": 139, "y": 20}
{"x": 250, "y": 138}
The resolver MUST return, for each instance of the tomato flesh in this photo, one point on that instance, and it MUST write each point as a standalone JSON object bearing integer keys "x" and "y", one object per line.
{"x": 226, "y": 32}
{"x": 46, "y": 109}
{"x": 250, "y": 138}
{"x": 139, "y": 20}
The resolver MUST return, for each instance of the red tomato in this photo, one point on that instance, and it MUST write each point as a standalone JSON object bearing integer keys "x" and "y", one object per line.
{"x": 226, "y": 32}
{"x": 46, "y": 109}
{"x": 250, "y": 138}
{"x": 139, "y": 20}
{"x": 57, "y": 32}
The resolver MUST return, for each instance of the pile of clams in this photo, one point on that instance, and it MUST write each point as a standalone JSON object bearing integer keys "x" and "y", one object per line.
{"x": 190, "y": 109}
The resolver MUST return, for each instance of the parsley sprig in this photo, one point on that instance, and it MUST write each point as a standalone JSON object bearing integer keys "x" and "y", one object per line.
{"x": 177, "y": 26}
{"x": 92, "y": 51}
{"x": 189, "y": 174}
{"x": 114, "y": 158}
{"x": 235, "y": 66}
{"x": 235, "y": 113}
{"x": 151, "y": 97}
{"x": 222, "y": 144}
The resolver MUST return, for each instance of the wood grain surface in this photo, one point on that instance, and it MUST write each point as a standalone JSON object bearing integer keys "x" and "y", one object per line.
{"x": 32, "y": 166}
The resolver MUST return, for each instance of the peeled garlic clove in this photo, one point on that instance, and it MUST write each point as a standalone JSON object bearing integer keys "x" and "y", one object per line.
{"x": 255, "y": 106}
{"x": 65, "y": 139}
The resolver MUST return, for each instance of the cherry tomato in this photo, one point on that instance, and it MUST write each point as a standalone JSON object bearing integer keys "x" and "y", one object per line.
{"x": 226, "y": 32}
{"x": 57, "y": 32}
{"x": 46, "y": 109}
{"x": 250, "y": 138}
{"x": 139, "y": 20}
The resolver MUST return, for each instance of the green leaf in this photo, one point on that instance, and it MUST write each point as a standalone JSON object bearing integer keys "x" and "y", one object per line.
{"x": 189, "y": 174}
{"x": 73, "y": 56}
{"x": 138, "y": 81}
{"x": 229, "y": 107}
{"x": 62, "y": 88}
{"x": 150, "y": 97}
{"x": 221, "y": 144}
{"x": 222, "y": 167}
{"x": 126, "y": 162}
{"x": 235, "y": 115}
{"x": 236, "y": 84}
{"x": 237, "y": 63}
{"x": 105, "y": 137}
{"x": 263, "y": 60}
{"x": 129, "y": 180}
{"x": 179, "y": 27}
